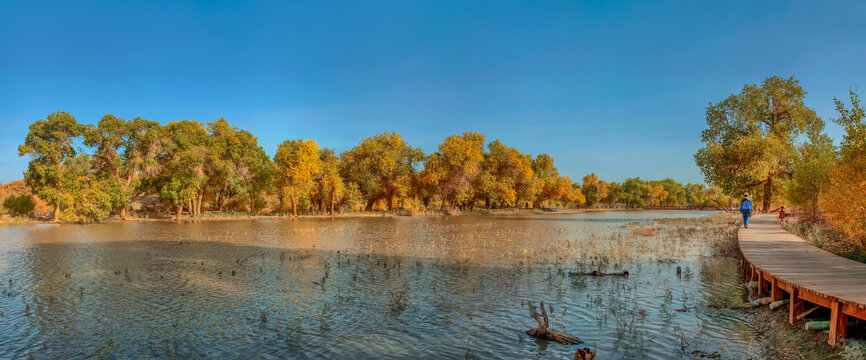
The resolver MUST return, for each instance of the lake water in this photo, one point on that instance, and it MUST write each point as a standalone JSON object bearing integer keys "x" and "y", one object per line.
{"x": 372, "y": 287}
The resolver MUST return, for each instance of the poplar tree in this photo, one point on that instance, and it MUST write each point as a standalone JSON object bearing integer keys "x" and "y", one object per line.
{"x": 50, "y": 143}
{"x": 751, "y": 137}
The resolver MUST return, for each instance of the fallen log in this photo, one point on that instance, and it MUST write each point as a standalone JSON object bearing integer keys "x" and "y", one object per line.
{"x": 777, "y": 304}
{"x": 598, "y": 273}
{"x": 761, "y": 301}
{"x": 542, "y": 332}
{"x": 817, "y": 325}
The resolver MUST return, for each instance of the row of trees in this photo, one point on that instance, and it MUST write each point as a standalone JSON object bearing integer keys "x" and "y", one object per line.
{"x": 634, "y": 192}
{"x": 767, "y": 142}
{"x": 88, "y": 172}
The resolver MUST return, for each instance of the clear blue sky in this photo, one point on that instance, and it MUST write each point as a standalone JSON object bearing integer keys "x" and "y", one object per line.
{"x": 617, "y": 88}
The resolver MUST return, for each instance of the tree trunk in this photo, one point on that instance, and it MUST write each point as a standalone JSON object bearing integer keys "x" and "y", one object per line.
{"x": 390, "y": 201}
{"x": 294, "y": 207}
{"x": 128, "y": 181}
{"x": 198, "y": 205}
{"x": 369, "y": 206}
{"x": 179, "y": 210}
{"x": 768, "y": 194}
{"x": 333, "y": 199}
{"x": 57, "y": 212}
{"x": 252, "y": 204}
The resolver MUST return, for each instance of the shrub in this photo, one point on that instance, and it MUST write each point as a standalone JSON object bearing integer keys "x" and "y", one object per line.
{"x": 846, "y": 202}
{"x": 19, "y": 205}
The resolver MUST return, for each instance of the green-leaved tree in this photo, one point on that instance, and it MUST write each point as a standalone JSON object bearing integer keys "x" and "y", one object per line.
{"x": 751, "y": 136}
{"x": 50, "y": 143}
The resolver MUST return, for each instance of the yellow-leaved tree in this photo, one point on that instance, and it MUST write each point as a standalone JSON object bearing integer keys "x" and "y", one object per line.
{"x": 846, "y": 196}
{"x": 297, "y": 162}
{"x": 505, "y": 171}
{"x": 593, "y": 189}
{"x": 329, "y": 179}
{"x": 456, "y": 166}
{"x": 383, "y": 167}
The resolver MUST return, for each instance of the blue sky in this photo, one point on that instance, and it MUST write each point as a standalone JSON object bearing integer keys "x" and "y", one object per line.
{"x": 616, "y": 88}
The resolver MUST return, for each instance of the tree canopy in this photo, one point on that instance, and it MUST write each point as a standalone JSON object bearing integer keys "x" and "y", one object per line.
{"x": 90, "y": 172}
{"x": 750, "y": 140}
{"x": 51, "y": 144}
{"x": 297, "y": 162}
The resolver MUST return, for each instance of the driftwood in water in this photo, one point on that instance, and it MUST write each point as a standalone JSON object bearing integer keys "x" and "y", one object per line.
{"x": 584, "y": 354}
{"x": 542, "y": 332}
{"x": 598, "y": 273}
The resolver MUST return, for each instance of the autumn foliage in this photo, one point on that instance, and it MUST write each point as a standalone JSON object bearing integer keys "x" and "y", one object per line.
{"x": 767, "y": 142}
{"x": 87, "y": 173}
{"x": 845, "y": 200}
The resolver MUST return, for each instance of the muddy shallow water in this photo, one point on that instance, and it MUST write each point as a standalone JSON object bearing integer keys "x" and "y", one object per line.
{"x": 391, "y": 287}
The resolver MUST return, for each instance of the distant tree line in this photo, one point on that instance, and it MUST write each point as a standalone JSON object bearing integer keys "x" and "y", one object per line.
{"x": 87, "y": 173}
{"x": 767, "y": 142}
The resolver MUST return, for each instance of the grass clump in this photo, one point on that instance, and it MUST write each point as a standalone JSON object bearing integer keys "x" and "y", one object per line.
{"x": 399, "y": 300}
{"x": 826, "y": 238}
{"x": 853, "y": 350}
{"x": 785, "y": 341}
{"x": 16, "y": 220}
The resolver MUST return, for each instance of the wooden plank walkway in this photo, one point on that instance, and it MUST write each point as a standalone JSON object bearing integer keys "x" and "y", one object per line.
{"x": 784, "y": 264}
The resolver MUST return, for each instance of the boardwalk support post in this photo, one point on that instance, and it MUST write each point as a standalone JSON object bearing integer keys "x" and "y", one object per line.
{"x": 795, "y": 307}
{"x": 760, "y": 283}
{"x": 777, "y": 261}
{"x": 838, "y": 323}
{"x": 775, "y": 291}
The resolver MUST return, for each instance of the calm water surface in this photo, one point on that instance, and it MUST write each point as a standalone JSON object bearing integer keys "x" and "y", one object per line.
{"x": 391, "y": 287}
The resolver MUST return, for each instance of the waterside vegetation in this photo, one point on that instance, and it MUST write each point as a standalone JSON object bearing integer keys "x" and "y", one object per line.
{"x": 87, "y": 173}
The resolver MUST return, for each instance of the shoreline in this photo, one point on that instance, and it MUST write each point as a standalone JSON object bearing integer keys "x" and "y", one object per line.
{"x": 17, "y": 221}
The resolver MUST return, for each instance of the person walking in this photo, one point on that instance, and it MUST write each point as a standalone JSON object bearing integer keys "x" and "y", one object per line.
{"x": 746, "y": 209}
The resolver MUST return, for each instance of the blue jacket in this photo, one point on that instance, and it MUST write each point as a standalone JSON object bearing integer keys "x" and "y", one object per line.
{"x": 746, "y": 205}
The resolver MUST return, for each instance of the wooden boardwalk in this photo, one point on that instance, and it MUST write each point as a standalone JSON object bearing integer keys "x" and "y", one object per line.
{"x": 786, "y": 266}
